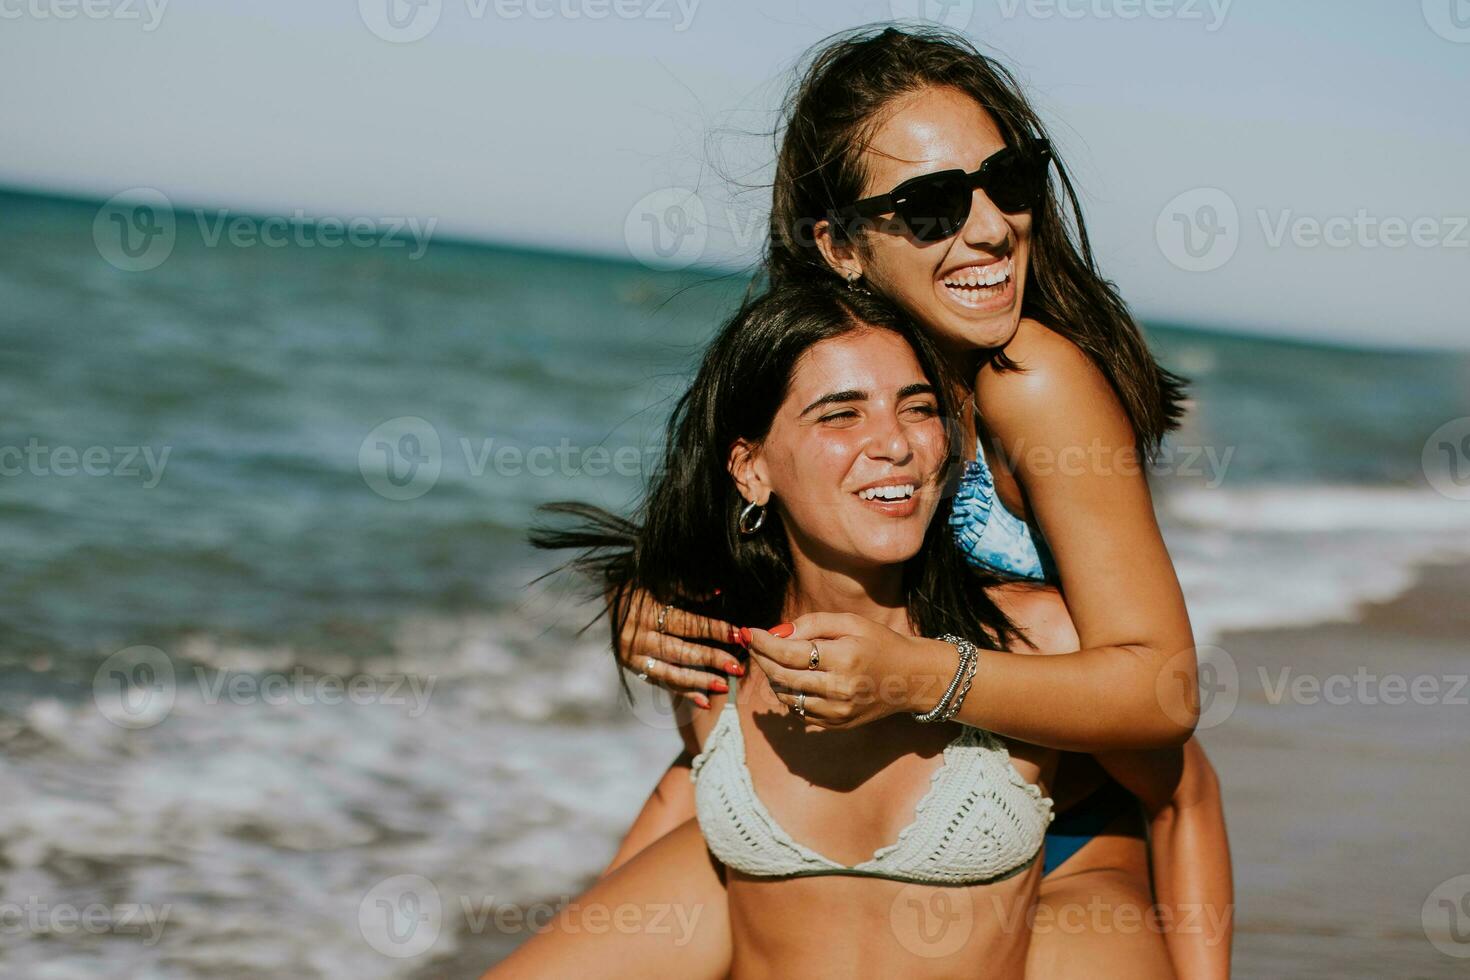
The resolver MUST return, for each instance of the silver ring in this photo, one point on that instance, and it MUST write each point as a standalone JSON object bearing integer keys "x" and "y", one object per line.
{"x": 816, "y": 657}
{"x": 663, "y": 614}
{"x": 647, "y": 666}
{"x": 800, "y": 705}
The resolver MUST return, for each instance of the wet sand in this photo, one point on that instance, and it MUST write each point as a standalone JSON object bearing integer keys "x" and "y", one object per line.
{"x": 1344, "y": 815}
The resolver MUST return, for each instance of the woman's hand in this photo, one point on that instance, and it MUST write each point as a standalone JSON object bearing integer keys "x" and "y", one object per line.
{"x": 667, "y": 657}
{"x": 865, "y": 671}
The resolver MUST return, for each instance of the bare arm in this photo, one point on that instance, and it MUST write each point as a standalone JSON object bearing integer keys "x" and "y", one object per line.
{"x": 679, "y": 926}
{"x": 1066, "y": 446}
{"x": 669, "y": 805}
{"x": 672, "y": 801}
{"x": 1189, "y": 851}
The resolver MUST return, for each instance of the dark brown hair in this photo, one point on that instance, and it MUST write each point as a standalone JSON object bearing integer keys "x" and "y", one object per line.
{"x": 848, "y": 82}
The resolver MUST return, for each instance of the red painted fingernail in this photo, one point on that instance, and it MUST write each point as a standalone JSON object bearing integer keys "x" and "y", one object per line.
{"x": 717, "y": 591}
{"x": 734, "y": 668}
{"x": 719, "y": 685}
{"x": 744, "y": 632}
{"x": 784, "y": 630}
{"x": 702, "y": 701}
{"x": 734, "y": 634}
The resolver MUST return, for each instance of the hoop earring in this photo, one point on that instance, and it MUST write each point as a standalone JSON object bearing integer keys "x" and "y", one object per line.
{"x": 745, "y": 514}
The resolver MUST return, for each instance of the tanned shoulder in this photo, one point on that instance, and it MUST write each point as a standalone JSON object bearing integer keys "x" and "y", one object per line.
{"x": 1053, "y": 379}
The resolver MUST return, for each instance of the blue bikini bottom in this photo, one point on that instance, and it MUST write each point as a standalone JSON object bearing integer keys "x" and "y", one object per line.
{"x": 1071, "y": 830}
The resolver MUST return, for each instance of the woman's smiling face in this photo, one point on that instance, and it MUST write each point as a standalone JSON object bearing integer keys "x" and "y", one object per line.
{"x": 941, "y": 284}
{"x": 854, "y": 454}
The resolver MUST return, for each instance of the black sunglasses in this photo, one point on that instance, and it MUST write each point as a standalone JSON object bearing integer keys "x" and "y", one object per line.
{"x": 935, "y": 206}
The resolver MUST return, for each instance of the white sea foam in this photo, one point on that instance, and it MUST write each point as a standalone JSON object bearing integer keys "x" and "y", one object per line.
{"x": 1265, "y": 557}
{"x": 262, "y": 828}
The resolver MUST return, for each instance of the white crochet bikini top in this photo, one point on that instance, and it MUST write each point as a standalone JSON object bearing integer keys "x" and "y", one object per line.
{"x": 980, "y": 821}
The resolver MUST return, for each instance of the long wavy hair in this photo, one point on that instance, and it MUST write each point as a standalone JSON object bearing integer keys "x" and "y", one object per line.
{"x": 844, "y": 86}
{"x": 683, "y": 543}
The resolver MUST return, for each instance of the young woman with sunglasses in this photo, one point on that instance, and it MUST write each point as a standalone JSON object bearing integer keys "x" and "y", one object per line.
{"x": 912, "y": 166}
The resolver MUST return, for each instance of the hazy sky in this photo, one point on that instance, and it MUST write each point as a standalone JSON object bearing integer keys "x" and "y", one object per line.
{"x": 1293, "y": 168}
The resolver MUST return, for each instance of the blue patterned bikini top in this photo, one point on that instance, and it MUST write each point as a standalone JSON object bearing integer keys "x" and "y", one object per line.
{"x": 991, "y": 536}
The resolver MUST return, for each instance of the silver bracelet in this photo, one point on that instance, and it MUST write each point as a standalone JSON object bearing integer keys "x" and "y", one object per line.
{"x": 959, "y": 699}
{"x": 969, "y": 657}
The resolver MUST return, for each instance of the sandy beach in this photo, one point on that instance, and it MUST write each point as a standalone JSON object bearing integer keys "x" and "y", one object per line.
{"x": 1345, "y": 816}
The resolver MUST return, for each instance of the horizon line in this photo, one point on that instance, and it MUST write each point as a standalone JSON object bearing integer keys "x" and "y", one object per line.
{"x": 470, "y": 241}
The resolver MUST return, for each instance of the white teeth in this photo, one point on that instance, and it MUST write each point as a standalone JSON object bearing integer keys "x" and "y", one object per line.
{"x": 900, "y": 491}
{"x": 973, "y": 276}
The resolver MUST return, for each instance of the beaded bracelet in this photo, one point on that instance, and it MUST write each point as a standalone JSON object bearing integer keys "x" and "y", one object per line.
{"x": 969, "y": 659}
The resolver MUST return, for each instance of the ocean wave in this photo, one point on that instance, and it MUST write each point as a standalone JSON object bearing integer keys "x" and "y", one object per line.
{"x": 1262, "y": 557}
{"x": 510, "y": 786}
